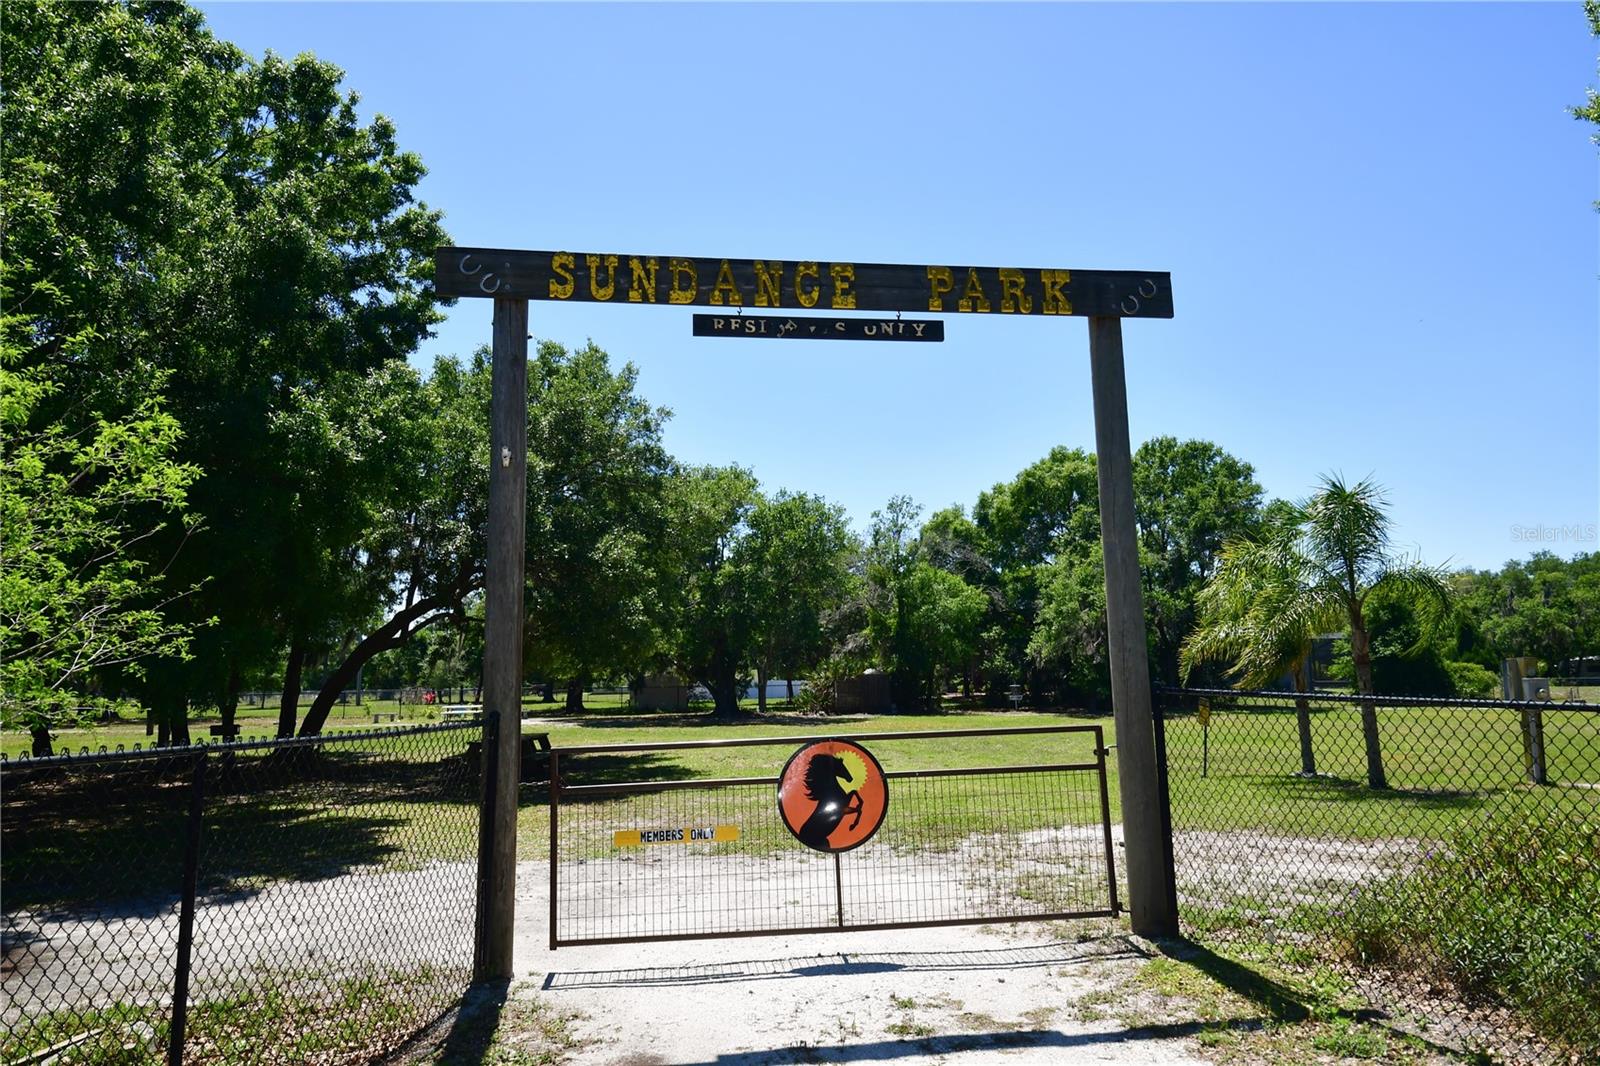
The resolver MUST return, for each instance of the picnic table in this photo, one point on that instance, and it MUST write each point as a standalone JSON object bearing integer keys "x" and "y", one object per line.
{"x": 461, "y": 710}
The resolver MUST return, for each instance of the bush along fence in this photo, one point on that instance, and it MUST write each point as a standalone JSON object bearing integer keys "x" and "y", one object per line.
{"x": 286, "y": 901}
{"x": 1462, "y": 895}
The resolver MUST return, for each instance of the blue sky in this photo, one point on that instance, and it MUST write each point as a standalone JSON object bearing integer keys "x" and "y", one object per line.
{"x": 1378, "y": 220}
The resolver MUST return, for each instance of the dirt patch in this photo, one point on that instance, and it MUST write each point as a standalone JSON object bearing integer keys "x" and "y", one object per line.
{"x": 962, "y": 994}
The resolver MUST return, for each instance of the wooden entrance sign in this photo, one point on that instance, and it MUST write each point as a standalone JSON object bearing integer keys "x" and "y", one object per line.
{"x": 684, "y": 281}
{"x": 512, "y": 278}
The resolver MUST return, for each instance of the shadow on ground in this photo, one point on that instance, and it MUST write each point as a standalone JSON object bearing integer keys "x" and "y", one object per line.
{"x": 845, "y": 964}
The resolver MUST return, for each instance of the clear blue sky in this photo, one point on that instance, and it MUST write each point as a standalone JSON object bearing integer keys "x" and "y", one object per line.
{"x": 1378, "y": 220}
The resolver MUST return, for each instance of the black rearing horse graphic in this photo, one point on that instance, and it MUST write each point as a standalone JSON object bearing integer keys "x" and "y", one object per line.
{"x": 835, "y": 783}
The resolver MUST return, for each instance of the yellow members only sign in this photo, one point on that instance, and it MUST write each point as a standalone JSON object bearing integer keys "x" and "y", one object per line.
{"x": 600, "y": 277}
{"x": 632, "y": 838}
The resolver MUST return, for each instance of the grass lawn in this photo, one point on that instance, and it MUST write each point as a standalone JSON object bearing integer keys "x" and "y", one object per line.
{"x": 1446, "y": 766}
{"x": 1443, "y": 765}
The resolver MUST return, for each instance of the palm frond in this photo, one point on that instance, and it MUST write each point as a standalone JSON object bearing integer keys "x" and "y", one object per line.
{"x": 1428, "y": 587}
{"x": 1347, "y": 528}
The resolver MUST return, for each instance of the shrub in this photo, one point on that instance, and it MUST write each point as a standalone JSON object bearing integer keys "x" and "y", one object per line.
{"x": 1505, "y": 912}
{"x": 1472, "y": 680}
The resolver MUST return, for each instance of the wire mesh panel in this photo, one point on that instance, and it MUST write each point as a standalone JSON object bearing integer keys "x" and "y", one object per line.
{"x": 304, "y": 900}
{"x": 1454, "y": 839}
{"x": 690, "y": 854}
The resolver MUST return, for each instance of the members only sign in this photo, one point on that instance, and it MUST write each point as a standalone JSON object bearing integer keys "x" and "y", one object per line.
{"x": 773, "y": 283}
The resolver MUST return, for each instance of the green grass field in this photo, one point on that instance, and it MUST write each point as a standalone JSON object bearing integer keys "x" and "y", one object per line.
{"x": 1239, "y": 773}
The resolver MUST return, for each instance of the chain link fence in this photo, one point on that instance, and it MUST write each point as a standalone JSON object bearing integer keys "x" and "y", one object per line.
{"x": 298, "y": 901}
{"x": 1445, "y": 854}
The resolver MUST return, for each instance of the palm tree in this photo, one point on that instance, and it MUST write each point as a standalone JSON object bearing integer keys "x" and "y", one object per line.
{"x": 1313, "y": 572}
{"x": 1236, "y": 607}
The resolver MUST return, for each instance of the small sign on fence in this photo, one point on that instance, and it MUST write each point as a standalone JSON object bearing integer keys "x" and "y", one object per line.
{"x": 694, "y": 834}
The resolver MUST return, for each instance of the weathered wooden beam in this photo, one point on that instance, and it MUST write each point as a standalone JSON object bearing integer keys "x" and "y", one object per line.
{"x": 502, "y": 645}
{"x": 1143, "y": 829}
{"x": 754, "y": 284}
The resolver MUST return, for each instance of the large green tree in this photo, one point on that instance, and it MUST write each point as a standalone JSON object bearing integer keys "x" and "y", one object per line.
{"x": 234, "y": 226}
{"x": 794, "y": 559}
{"x": 1189, "y": 497}
{"x": 598, "y": 566}
{"x": 712, "y": 632}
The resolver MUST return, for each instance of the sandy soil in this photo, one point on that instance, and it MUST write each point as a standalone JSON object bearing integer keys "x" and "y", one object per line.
{"x": 961, "y": 994}
{"x": 952, "y": 994}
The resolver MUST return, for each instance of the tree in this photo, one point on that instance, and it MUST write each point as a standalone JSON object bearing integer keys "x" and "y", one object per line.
{"x": 1546, "y": 606}
{"x": 1189, "y": 498}
{"x": 939, "y": 621}
{"x": 1239, "y": 612}
{"x": 599, "y": 576}
{"x": 1050, "y": 509}
{"x": 1316, "y": 574}
{"x": 1589, "y": 111}
{"x": 417, "y": 554}
{"x": 794, "y": 563}
{"x": 711, "y": 636}
{"x": 75, "y": 598}
{"x": 233, "y": 225}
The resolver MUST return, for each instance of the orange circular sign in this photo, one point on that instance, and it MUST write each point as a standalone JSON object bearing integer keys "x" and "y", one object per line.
{"x": 833, "y": 795}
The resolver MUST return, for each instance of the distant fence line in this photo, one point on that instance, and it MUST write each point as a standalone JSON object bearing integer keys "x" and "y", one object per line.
{"x": 246, "y": 902}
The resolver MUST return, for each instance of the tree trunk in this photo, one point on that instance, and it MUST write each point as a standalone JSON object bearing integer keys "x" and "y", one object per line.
{"x": 230, "y": 701}
{"x": 575, "y": 696}
{"x": 1302, "y": 714}
{"x": 289, "y": 700}
{"x": 725, "y": 693}
{"x": 180, "y": 719}
{"x": 789, "y": 683}
{"x": 1361, "y": 652}
{"x": 761, "y": 690}
{"x": 43, "y": 742}
{"x": 401, "y": 627}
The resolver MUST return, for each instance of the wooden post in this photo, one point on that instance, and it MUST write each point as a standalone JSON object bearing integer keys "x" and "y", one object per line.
{"x": 502, "y": 642}
{"x": 1150, "y": 895}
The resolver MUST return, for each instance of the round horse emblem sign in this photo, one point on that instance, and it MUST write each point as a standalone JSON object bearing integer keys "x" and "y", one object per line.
{"x": 832, "y": 795}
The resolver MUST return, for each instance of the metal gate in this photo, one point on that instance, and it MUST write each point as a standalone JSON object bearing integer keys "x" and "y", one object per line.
{"x": 656, "y": 841}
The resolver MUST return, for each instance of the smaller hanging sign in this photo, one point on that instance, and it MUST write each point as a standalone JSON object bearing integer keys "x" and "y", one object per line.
{"x": 810, "y": 327}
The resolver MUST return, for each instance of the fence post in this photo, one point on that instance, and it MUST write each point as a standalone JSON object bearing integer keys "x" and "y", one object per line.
{"x": 1159, "y": 710}
{"x": 191, "y": 877}
{"x": 490, "y": 768}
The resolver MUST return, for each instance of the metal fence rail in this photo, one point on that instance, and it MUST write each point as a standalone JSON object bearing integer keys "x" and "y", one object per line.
{"x": 1274, "y": 820}
{"x": 982, "y": 842}
{"x": 285, "y": 901}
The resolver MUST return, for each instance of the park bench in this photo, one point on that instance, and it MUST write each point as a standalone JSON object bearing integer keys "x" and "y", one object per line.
{"x": 378, "y": 716}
